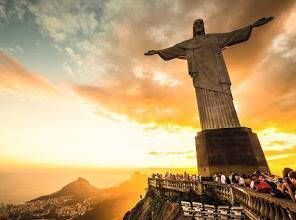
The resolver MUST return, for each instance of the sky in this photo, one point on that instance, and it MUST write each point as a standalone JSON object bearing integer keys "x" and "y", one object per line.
{"x": 76, "y": 89}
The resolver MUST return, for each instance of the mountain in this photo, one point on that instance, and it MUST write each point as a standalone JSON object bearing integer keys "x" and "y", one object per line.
{"x": 79, "y": 189}
{"x": 82, "y": 201}
{"x": 155, "y": 206}
{"x": 119, "y": 199}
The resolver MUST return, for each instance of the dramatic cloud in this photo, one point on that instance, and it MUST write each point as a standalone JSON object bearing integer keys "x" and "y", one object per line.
{"x": 145, "y": 99}
{"x": 273, "y": 83}
{"x": 151, "y": 90}
{"x": 16, "y": 79}
{"x": 97, "y": 46}
{"x": 274, "y": 140}
{"x": 105, "y": 42}
{"x": 275, "y": 154}
{"x": 65, "y": 19}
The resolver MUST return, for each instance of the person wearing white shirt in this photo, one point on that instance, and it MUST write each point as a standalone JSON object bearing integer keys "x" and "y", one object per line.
{"x": 222, "y": 178}
{"x": 240, "y": 180}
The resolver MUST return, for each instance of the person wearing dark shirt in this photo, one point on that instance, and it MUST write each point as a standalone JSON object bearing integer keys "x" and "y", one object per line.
{"x": 286, "y": 171}
{"x": 292, "y": 187}
{"x": 287, "y": 187}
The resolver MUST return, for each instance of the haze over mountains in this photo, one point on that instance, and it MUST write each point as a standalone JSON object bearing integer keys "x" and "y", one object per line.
{"x": 81, "y": 200}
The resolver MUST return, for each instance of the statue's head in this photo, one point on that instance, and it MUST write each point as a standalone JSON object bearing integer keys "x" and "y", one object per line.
{"x": 198, "y": 27}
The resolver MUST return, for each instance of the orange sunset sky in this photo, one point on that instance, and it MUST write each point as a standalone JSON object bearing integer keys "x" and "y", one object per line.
{"x": 76, "y": 89}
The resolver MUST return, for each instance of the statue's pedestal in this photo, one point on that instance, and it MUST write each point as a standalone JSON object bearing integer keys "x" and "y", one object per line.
{"x": 229, "y": 150}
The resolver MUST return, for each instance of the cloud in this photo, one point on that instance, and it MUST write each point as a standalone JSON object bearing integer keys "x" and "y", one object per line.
{"x": 278, "y": 161}
{"x": 273, "y": 139}
{"x": 147, "y": 89}
{"x": 273, "y": 153}
{"x": 105, "y": 41}
{"x": 65, "y": 19}
{"x": 280, "y": 156}
{"x": 76, "y": 57}
{"x": 2, "y": 9}
{"x": 279, "y": 148}
{"x": 15, "y": 49}
{"x": 61, "y": 20}
{"x": 273, "y": 83}
{"x": 16, "y": 79}
{"x": 143, "y": 99}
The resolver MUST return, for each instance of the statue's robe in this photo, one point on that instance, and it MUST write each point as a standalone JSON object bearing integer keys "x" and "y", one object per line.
{"x": 210, "y": 77}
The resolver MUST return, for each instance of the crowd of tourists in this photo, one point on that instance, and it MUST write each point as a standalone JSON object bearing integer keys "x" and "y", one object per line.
{"x": 184, "y": 177}
{"x": 282, "y": 187}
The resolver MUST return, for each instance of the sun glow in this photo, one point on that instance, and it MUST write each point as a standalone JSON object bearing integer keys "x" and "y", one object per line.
{"x": 76, "y": 89}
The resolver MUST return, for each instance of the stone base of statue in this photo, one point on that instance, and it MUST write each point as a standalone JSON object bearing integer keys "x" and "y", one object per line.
{"x": 229, "y": 150}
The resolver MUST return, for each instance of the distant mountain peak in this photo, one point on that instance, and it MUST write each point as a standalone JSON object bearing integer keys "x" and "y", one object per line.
{"x": 80, "y": 179}
{"x": 80, "y": 188}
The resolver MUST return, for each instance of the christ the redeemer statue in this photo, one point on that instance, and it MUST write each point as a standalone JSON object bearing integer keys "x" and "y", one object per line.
{"x": 207, "y": 68}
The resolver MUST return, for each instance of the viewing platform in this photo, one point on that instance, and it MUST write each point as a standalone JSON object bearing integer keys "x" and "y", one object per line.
{"x": 256, "y": 205}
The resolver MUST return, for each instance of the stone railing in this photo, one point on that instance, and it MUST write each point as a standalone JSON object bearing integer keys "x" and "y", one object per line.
{"x": 264, "y": 206}
{"x": 222, "y": 191}
{"x": 177, "y": 185}
{"x": 256, "y": 205}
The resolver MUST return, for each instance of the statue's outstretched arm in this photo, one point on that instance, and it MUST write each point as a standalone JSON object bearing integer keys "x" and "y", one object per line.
{"x": 169, "y": 53}
{"x": 151, "y": 52}
{"x": 228, "y": 39}
{"x": 261, "y": 22}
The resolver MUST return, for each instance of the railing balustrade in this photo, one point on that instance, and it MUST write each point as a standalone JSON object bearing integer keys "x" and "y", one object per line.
{"x": 257, "y": 205}
{"x": 183, "y": 186}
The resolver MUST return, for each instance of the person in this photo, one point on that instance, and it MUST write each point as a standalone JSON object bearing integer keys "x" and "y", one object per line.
{"x": 233, "y": 179}
{"x": 222, "y": 178}
{"x": 239, "y": 180}
{"x": 272, "y": 178}
{"x": 292, "y": 178}
{"x": 230, "y": 177}
{"x": 254, "y": 177}
{"x": 259, "y": 184}
{"x": 286, "y": 187}
{"x": 166, "y": 176}
{"x": 247, "y": 180}
{"x": 216, "y": 177}
{"x": 272, "y": 184}
{"x": 286, "y": 172}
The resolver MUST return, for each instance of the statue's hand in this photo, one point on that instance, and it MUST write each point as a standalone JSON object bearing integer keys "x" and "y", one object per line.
{"x": 262, "y": 21}
{"x": 150, "y": 52}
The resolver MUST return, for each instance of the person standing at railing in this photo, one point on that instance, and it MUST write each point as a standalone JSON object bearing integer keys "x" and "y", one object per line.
{"x": 286, "y": 186}
{"x": 216, "y": 178}
{"x": 286, "y": 171}
{"x": 260, "y": 185}
{"x": 239, "y": 180}
{"x": 247, "y": 180}
{"x": 231, "y": 177}
{"x": 253, "y": 178}
{"x": 224, "y": 179}
{"x": 292, "y": 187}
